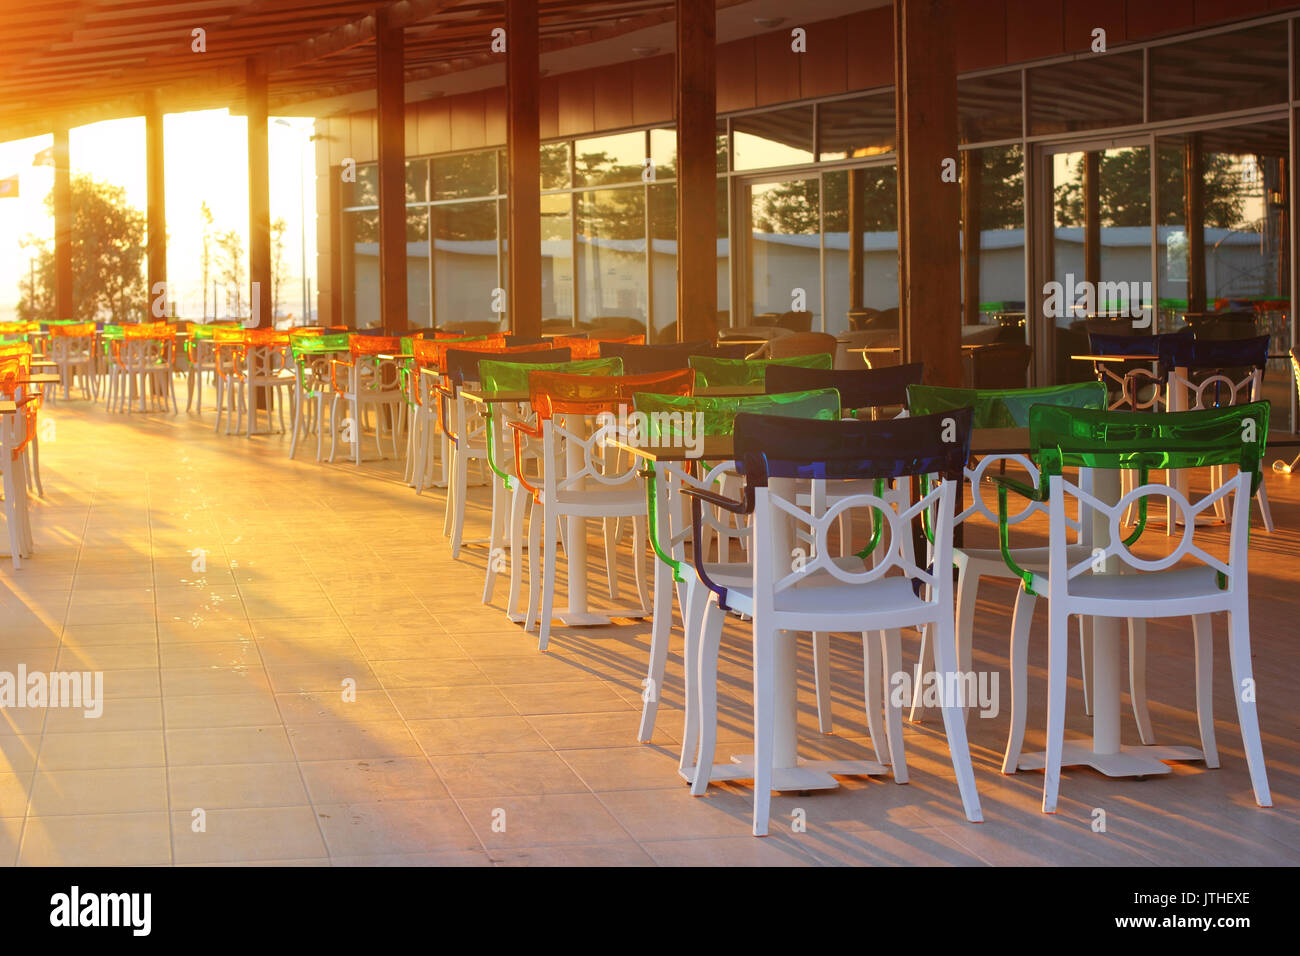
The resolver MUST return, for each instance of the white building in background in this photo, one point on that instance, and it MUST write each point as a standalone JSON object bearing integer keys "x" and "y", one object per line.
{"x": 1237, "y": 266}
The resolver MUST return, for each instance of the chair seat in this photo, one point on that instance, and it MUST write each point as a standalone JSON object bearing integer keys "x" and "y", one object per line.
{"x": 1175, "y": 585}
{"x": 604, "y": 500}
{"x": 1031, "y": 559}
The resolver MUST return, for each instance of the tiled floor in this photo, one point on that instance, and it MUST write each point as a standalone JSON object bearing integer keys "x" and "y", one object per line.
{"x": 225, "y": 737}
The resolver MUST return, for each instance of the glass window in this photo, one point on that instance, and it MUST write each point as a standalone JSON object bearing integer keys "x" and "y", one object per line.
{"x": 870, "y": 285}
{"x": 775, "y": 138}
{"x": 989, "y": 108}
{"x": 464, "y": 176}
{"x": 663, "y": 258}
{"x": 1085, "y": 94}
{"x": 464, "y": 262}
{"x": 724, "y": 147}
{"x": 612, "y": 254}
{"x": 997, "y": 175}
{"x": 555, "y": 165}
{"x": 417, "y": 180}
{"x": 365, "y": 191}
{"x": 609, "y": 159}
{"x": 858, "y": 127}
{"x": 784, "y": 249}
{"x": 557, "y": 257}
{"x": 361, "y": 235}
{"x": 663, "y": 152}
{"x": 1220, "y": 73}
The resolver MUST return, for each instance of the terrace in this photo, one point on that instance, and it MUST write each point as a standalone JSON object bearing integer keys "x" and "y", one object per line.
{"x": 333, "y": 624}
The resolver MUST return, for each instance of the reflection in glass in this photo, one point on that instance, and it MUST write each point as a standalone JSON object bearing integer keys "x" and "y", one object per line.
{"x": 1086, "y": 94}
{"x": 775, "y": 138}
{"x": 361, "y": 235}
{"x": 663, "y": 152}
{"x": 557, "y": 258}
{"x": 997, "y": 213}
{"x": 464, "y": 176}
{"x": 784, "y": 249}
{"x": 365, "y": 191}
{"x": 554, "y": 161}
{"x": 1220, "y": 73}
{"x": 1230, "y": 271}
{"x": 464, "y": 262}
{"x": 609, "y": 159}
{"x": 989, "y": 107}
{"x": 663, "y": 258}
{"x": 857, "y": 128}
{"x": 861, "y": 201}
{"x": 612, "y": 254}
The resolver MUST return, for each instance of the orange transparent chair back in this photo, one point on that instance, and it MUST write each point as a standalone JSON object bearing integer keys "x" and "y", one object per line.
{"x": 589, "y": 348}
{"x": 80, "y": 330}
{"x": 472, "y": 345}
{"x": 374, "y": 344}
{"x": 558, "y": 393}
{"x": 266, "y": 337}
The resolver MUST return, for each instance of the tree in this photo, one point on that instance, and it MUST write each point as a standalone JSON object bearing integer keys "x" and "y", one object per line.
{"x": 1124, "y": 186}
{"x": 279, "y": 269}
{"x": 205, "y": 256}
{"x": 230, "y": 269}
{"x": 107, "y": 259}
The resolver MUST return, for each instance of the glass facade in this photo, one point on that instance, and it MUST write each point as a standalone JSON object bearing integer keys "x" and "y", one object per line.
{"x": 1076, "y": 167}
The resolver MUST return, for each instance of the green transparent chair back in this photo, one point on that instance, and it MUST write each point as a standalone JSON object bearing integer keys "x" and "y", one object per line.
{"x": 713, "y": 372}
{"x": 513, "y": 376}
{"x": 309, "y": 344}
{"x": 1003, "y": 407}
{"x": 719, "y": 411}
{"x": 1061, "y": 437}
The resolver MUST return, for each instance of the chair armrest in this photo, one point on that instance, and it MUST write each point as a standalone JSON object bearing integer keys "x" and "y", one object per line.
{"x": 518, "y": 430}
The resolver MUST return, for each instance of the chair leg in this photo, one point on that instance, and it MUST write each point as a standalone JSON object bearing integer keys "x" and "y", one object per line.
{"x": 892, "y": 653}
{"x": 1085, "y": 656}
{"x": 535, "y": 523}
{"x": 874, "y": 682}
{"x": 1137, "y": 677}
{"x": 518, "y": 503}
{"x": 968, "y": 582}
{"x": 610, "y": 528}
{"x": 945, "y": 658}
{"x": 1265, "y": 513}
{"x": 693, "y": 611}
{"x": 1021, "y": 618}
{"x": 706, "y": 674}
{"x": 660, "y": 630}
{"x": 639, "y": 561}
{"x": 1057, "y": 668}
{"x": 461, "y": 481}
{"x": 451, "y": 493}
{"x": 1203, "y": 633}
{"x": 548, "y": 577}
{"x": 921, "y": 655}
{"x": 821, "y": 648}
{"x": 1243, "y": 689}
{"x": 764, "y": 722}
{"x": 495, "y": 534}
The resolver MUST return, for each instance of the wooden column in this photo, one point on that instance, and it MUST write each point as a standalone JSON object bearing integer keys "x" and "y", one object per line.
{"x": 857, "y": 227}
{"x": 64, "y": 306}
{"x": 259, "y": 196}
{"x": 972, "y": 174}
{"x": 523, "y": 148}
{"x": 156, "y": 210}
{"x": 697, "y": 171}
{"x": 1092, "y": 221}
{"x": 390, "y": 67}
{"x": 929, "y": 209}
{"x": 1194, "y": 201}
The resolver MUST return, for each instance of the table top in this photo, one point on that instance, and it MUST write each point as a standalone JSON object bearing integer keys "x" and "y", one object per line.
{"x": 1145, "y": 357}
{"x": 984, "y": 441}
{"x": 41, "y": 379}
{"x": 887, "y": 349}
{"x": 7, "y": 407}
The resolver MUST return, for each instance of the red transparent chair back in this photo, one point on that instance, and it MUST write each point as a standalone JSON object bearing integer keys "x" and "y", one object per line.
{"x": 477, "y": 344}
{"x": 557, "y": 393}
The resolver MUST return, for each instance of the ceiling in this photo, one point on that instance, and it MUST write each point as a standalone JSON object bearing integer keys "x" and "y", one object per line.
{"x": 80, "y": 61}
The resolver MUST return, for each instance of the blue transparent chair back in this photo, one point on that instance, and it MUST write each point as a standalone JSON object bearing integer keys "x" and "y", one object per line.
{"x": 858, "y": 388}
{"x": 1202, "y": 354}
{"x": 848, "y": 448}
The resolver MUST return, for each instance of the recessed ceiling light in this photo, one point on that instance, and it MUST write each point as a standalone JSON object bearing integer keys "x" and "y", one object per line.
{"x": 769, "y": 22}
{"x": 645, "y": 50}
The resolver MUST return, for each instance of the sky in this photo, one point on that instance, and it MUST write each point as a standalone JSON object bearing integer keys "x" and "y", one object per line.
{"x": 206, "y": 159}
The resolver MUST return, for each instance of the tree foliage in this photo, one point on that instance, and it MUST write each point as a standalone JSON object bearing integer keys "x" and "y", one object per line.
{"x": 108, "y": 255}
